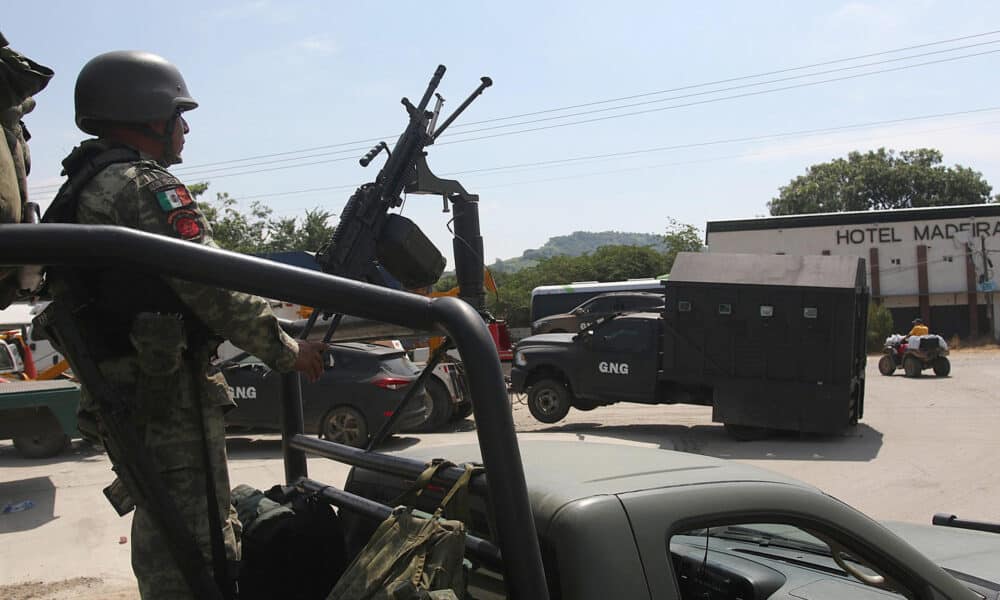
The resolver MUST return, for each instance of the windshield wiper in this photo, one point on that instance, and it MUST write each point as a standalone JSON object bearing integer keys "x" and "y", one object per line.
{"x": 761, "y": 538}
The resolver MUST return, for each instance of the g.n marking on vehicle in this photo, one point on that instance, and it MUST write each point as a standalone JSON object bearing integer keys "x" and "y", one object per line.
{"x": 612, "y": 368}
{"x": 243, "y": 392}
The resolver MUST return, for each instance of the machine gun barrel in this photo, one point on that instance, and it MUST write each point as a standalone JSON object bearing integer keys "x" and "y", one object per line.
{"x": 485, "y": 83}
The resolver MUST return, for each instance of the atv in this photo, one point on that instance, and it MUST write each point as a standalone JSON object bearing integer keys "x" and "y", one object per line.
{"x": 914, "y": 354}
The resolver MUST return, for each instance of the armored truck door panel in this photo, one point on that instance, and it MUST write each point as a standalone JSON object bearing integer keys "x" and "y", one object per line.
{"x": 620, "y": 360}
{"x": 684, "y": 333}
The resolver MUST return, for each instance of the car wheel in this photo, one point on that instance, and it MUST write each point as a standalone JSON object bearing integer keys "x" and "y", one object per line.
{"x": 439, "y": 405}
{"x": 887, "y": 365}
{"x": 548, "y": 401}
{"x": 345, "y": 425}
{"x": 942, "y": 366}
{"x": 42, "y": 445}
{"x": 747, "y": 433}
{"x": 912, "y": 366}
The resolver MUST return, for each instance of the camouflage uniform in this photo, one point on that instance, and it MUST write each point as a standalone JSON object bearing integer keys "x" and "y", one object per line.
{"x": 168, "y": 381}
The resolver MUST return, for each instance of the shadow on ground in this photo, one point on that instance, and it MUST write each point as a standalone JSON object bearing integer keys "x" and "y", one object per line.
{"x": 78, "y": 451}
{"x": 859, "y": 443}
{"x": 41, "y": 493}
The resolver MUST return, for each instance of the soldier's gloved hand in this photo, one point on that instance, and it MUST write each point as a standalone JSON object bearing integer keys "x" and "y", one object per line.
{"x": 309, "y": 361}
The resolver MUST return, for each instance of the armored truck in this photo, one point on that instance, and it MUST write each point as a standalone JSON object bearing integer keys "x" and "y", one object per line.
{"x": 770, "y": 342}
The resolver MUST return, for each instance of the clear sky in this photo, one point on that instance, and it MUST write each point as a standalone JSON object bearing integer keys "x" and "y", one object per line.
{"x": 281, "y": 77}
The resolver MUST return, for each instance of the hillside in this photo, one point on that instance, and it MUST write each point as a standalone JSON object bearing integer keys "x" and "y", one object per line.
{"x": 576, "y": 244}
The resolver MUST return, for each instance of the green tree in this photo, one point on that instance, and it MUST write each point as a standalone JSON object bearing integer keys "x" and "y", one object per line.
{"x": 878, "y": 180}
{"x": 680, "y": 237}
{"x": 879, "y": 326}
{"x": 607, "y": 263}
{"x": 258, "y": 231}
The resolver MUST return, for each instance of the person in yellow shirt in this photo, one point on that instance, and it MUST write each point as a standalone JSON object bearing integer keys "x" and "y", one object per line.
{"x": 919, "y": 328}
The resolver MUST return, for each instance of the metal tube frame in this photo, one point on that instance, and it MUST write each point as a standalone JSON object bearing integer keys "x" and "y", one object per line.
{"x": 93, "y": 245}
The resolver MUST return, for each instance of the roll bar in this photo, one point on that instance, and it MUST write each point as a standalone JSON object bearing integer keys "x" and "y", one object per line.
{"x": 100, "y": 245}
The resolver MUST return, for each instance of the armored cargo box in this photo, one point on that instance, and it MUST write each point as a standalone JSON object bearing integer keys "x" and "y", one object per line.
{"x": 779, "y": 341}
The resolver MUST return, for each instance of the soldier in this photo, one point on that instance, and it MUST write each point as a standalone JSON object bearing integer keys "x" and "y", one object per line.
{"x": 162, "y": 331}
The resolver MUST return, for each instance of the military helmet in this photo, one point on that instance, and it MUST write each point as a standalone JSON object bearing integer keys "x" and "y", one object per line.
{"x": 129, "y": 86}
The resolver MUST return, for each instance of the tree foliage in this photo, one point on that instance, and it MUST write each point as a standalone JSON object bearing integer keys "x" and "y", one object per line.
{"x": 879, "y": 326}
{"x": 258, "y": 231}
{"x": 878, "y": 180}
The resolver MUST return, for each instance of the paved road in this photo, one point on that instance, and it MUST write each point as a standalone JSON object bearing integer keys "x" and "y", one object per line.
{"x": 924, "y": 446}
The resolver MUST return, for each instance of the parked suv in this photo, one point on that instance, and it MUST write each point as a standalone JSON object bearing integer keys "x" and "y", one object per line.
{"x": 598, "y": 307}
{"x": 361, "y": 387}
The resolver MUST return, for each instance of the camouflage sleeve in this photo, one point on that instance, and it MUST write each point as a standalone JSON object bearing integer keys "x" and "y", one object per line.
{"x": 159, "y": 203}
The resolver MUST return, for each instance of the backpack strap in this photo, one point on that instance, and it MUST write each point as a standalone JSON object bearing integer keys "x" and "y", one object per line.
{"x": 81, "y": 168}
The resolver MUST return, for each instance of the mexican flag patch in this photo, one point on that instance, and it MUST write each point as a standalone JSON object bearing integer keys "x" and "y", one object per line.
{"x": 173, "y": 198}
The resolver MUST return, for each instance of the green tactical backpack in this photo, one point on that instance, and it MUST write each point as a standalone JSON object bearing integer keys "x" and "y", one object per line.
{"x": 412, "y": 557}
{"x": 20, "y": 79}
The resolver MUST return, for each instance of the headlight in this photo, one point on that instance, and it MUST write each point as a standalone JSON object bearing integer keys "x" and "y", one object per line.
{"x": 519, "y": 359}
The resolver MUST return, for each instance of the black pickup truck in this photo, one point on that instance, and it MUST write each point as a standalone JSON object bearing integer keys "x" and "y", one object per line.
{"x": 769, "y": 342}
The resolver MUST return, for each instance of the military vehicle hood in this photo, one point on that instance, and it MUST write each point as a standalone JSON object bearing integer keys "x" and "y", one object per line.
{"x": 975, "y": 553}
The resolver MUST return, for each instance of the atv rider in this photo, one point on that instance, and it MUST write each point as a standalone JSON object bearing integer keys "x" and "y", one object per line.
{"x": 918, "y": 328}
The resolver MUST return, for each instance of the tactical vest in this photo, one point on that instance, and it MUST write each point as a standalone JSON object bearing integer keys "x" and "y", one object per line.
{"x": 117, "y": 294}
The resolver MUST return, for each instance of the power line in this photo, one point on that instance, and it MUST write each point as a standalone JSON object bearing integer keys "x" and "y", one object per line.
{"x": 755, "y": 138}
{"x": 227, "y": 172}
{"x": 594, "y": 103}
{"x": 708, "y": 159}
{"x": 713, "y": 100}
{"x": 561, "y": 162}
{"x": 731, "y": 88}
{"x": 729, "y": 80}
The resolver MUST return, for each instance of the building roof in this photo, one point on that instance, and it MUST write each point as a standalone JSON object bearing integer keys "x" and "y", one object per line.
{"x": 767, "y": 269}
{"x": 866, "y": 217}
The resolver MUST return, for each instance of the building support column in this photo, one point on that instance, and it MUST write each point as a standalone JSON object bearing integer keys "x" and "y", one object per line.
{"x": 874, "y": 271}
{"x": 970, "y": 286}
{"x": 922, "y": 284}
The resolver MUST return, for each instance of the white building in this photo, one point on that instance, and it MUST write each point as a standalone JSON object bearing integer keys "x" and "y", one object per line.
{"x": 933, "y": 263}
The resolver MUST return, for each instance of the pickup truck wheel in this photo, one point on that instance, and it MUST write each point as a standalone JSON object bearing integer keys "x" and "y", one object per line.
{"x": 942, "y": 366}
{"x": 345, "y": 425}
{"x": 887, "y": 365}
{"x": 912, "y": 366}
{"x": 42, "y": 445}
{"x": 548, "y": 401}
{"x": 439, "y": 405}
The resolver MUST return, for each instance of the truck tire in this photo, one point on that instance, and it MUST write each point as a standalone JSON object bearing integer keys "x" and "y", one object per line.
{"x": 42, "y": 445}
{"x": 440, "y": 404}
{"x": 942, "y": 366}
{"x": 345, "y": 425}
{"x": 912, "y": 366}
{"x": 887, "y": 365}
{"x": 548, "y": 400}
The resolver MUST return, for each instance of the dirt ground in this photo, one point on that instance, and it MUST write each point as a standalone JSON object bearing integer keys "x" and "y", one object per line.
{"x": 77, "y": 588}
